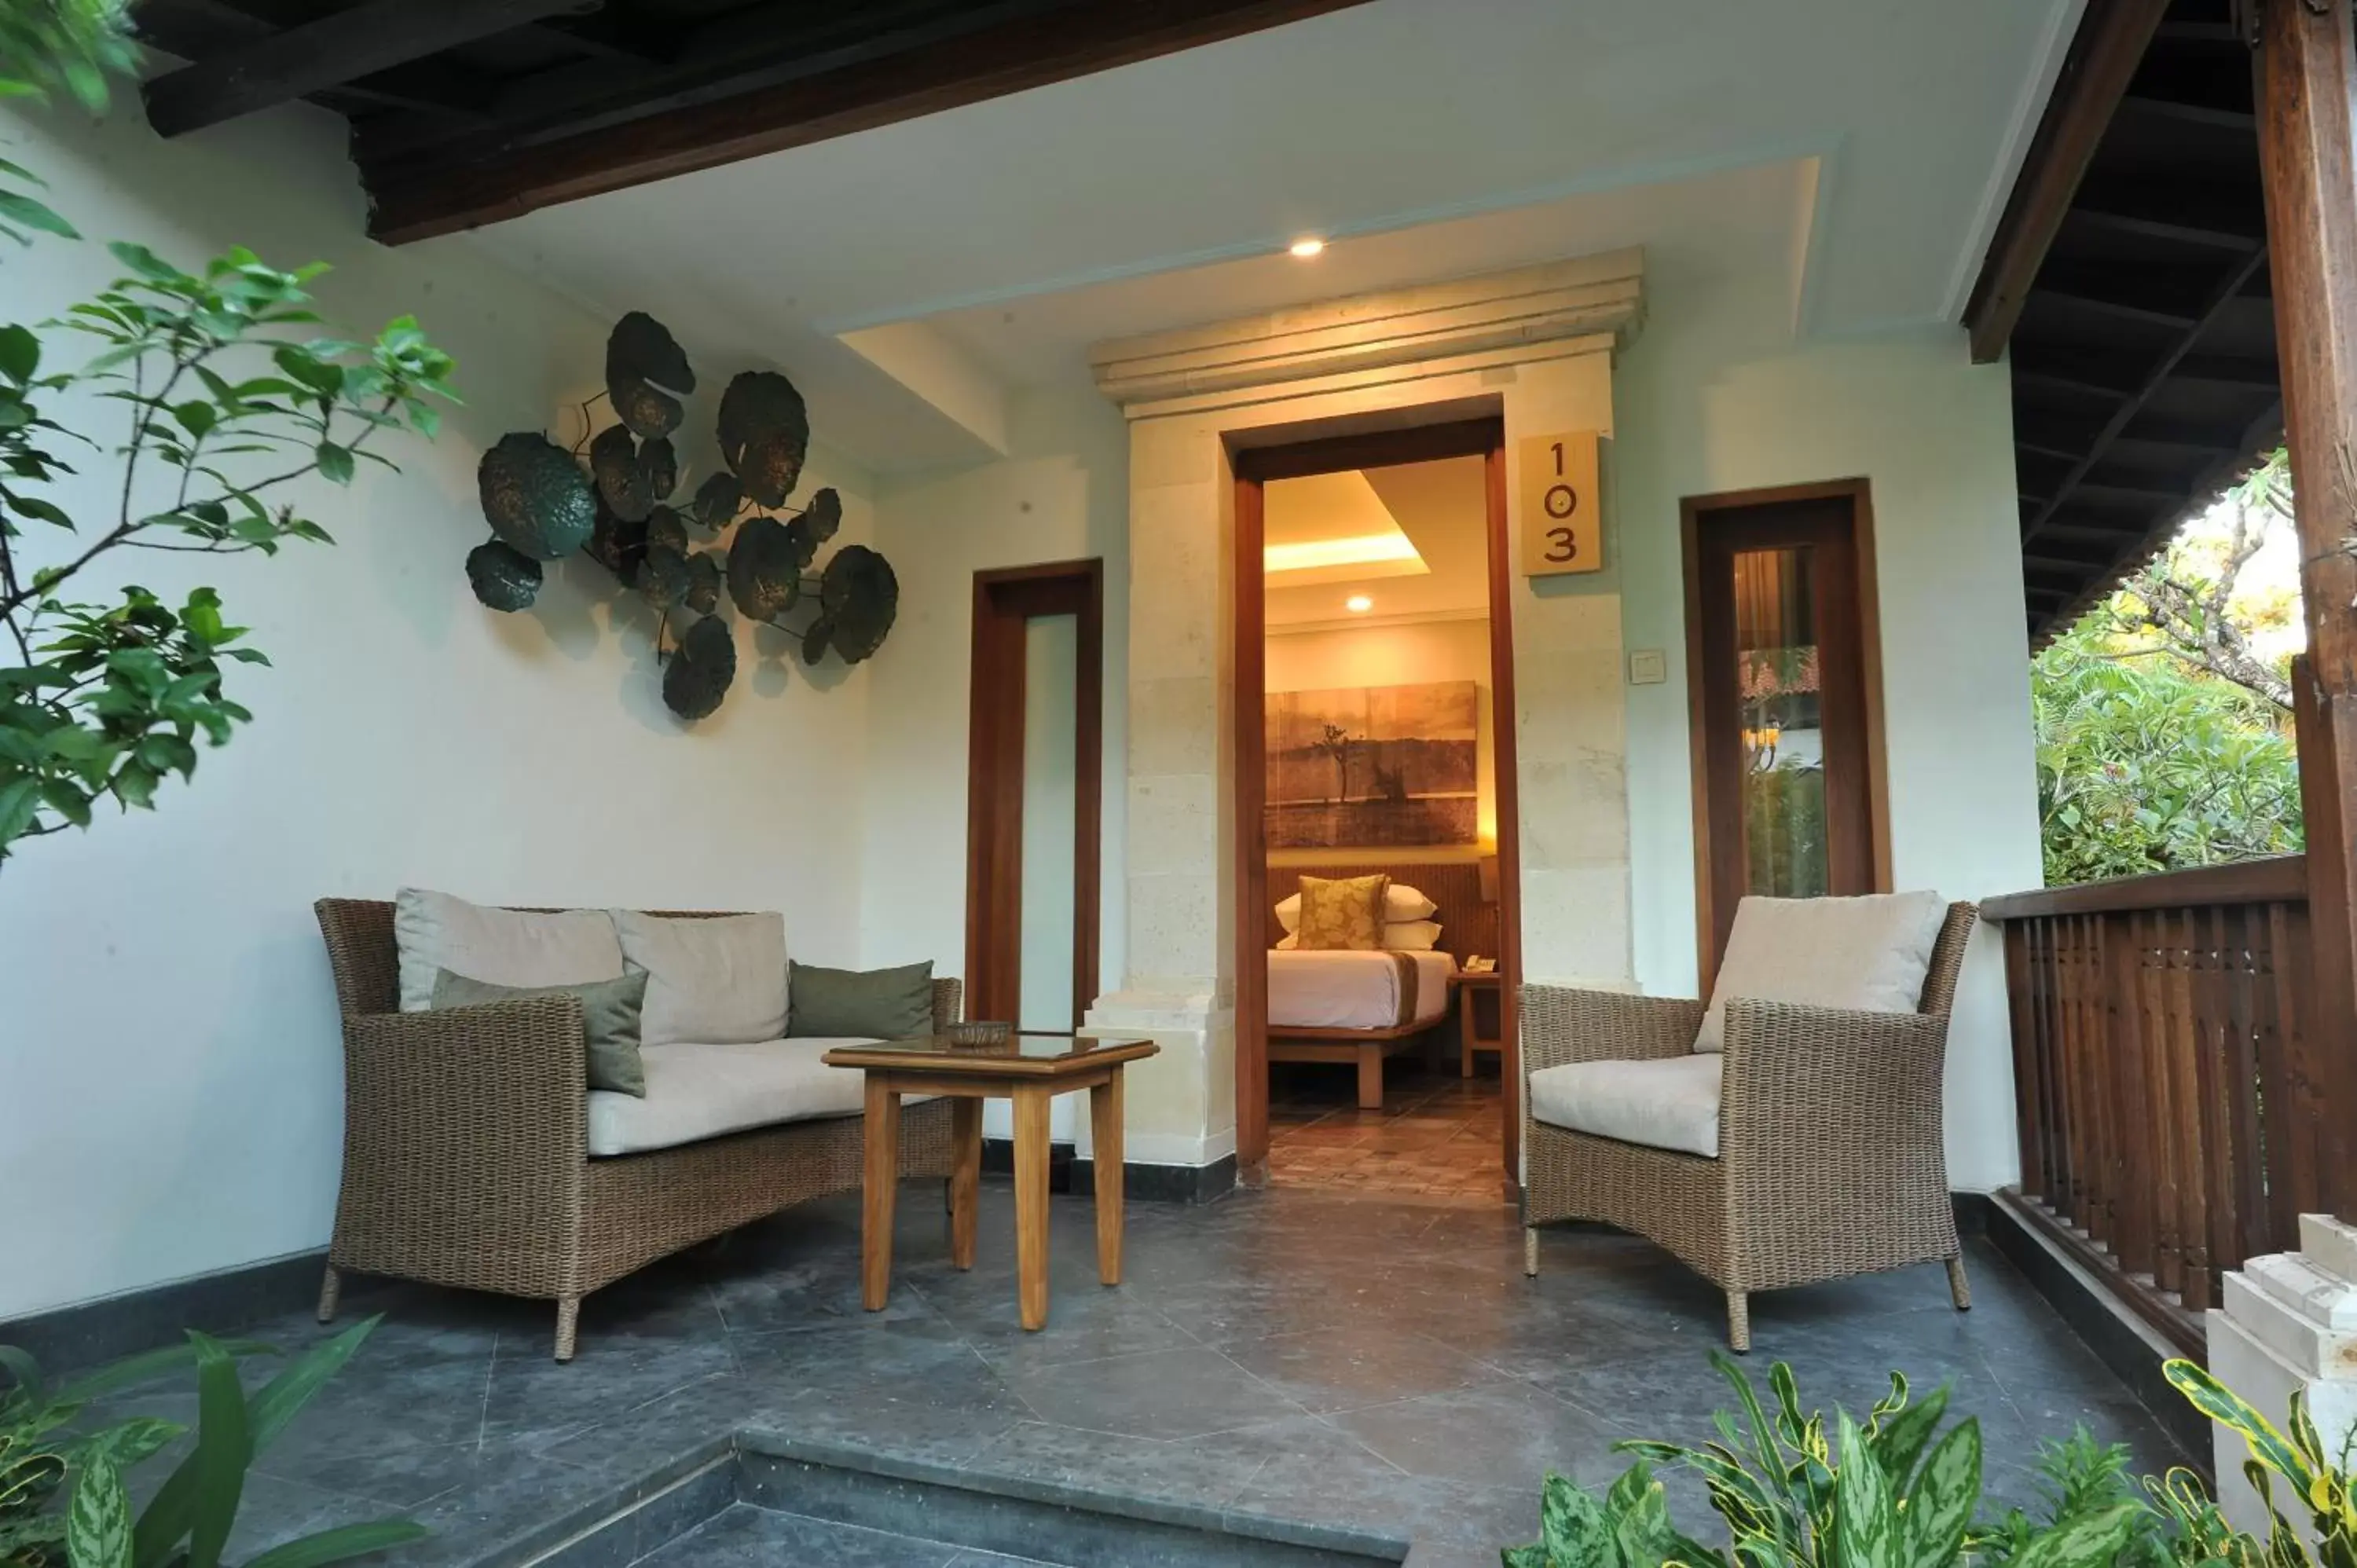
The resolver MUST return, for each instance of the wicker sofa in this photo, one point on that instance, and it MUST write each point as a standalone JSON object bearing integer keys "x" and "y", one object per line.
{"x": 465, "y": 1145}
{"x": 1828, "y": 1126}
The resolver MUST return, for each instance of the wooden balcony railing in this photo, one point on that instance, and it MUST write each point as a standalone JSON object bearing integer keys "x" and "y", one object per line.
{"x": 2164, "y": 1042}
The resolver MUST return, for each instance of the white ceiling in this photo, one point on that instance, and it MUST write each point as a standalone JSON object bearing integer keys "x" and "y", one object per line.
{"x": 1870, "y": 140}
{"x": 1441, "y": 506}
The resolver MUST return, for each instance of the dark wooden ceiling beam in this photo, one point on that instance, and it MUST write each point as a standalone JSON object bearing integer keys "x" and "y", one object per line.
{"x": 2111, "y": 41}
{"x": 2224, "y": 296}
{"x": 336, "y": 49}
{"x": 419, "y": 198}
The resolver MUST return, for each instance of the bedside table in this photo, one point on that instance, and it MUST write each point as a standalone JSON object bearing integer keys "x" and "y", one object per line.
{"x": 1471, "y": 988}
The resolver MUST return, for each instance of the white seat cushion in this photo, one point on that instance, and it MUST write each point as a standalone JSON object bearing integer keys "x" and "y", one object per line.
{"x": 716, "y": 979}
{"x": 1870, "y": 953}
{"x": 435, "y": 932}
{"x": 698, "y": 1090}
{"x": 1672, "y": 1103}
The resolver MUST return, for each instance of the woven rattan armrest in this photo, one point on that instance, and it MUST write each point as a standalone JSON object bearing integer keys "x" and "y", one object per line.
{"x": 1560, "y": 1024}
{"x": 1820, "y": 1082}
{"x": 949, "y": 999}
{"x": 495, "y": 1088}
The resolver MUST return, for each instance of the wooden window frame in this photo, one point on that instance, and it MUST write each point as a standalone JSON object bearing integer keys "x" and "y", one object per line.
{"x": 1692, "y": 512}
{"x": 1005, "y": 602}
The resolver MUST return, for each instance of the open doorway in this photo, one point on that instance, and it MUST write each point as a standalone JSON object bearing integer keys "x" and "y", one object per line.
{"x": 1376, "y": 810}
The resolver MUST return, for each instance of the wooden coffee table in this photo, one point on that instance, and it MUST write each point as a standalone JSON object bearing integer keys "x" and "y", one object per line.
{"x": 1030, "y": 1070}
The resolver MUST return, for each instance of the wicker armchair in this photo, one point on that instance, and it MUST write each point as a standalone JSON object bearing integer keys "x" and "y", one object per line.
{"x": 466, "y": 1157}
{"x": 1829, "y": 1157}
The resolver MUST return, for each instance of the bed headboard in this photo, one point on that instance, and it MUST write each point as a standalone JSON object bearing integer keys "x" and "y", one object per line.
{"x": 1467, "y": 926}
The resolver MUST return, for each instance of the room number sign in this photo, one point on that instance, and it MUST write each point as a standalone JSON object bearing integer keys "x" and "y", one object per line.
{"x": 1563, "y": 526}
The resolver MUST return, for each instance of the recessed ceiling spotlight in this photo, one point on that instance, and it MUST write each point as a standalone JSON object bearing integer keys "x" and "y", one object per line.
{"x": 1358, "y": 604}
{"x": 1307, "y": 247}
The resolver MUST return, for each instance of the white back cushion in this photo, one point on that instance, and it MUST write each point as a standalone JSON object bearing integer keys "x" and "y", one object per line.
{"x": 435, "y": 932}
{"x": 715, "y": 981}
{"x": 1870, "y": 953}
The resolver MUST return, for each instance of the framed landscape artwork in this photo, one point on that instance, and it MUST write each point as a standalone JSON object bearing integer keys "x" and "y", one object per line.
{"x": 1373, "y": 766}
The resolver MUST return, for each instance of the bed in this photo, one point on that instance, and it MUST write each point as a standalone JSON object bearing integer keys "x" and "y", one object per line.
{"x": 1361, "y": 1008}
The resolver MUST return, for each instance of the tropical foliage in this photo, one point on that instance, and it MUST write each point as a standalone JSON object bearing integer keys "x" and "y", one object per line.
{"x": 1900, "y": 1491}
{"x": 2163, "y": 716}
{"x": 65, "y": 1497}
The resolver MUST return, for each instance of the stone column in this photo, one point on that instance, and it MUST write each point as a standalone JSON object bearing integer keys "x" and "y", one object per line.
{"x": 2289, "y": 1324}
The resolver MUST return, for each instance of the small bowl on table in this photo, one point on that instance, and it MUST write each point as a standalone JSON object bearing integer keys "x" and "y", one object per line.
{"x": 979, "y": 1035}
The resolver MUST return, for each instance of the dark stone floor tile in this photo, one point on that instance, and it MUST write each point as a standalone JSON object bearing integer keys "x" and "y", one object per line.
{"x": 1204, "y": 1473}
{"x": 1508, "y": 1435}
{"x": 1168, "y": 1394}
{"x": 742, "y": 1537}
{"x": 1085, "y": 1323}
{"x": 1339, "y": 1367}
{"x": 534, "y": 1399}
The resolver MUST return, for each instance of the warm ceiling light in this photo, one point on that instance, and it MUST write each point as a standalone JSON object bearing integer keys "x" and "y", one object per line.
{"x": 1306, "y": 248}
{"x": 1359, "y": 550}
{"x": 1358, "y": 604}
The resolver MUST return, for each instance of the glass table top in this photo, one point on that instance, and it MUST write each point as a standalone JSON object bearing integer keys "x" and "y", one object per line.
{"x": 950, "y": 1048}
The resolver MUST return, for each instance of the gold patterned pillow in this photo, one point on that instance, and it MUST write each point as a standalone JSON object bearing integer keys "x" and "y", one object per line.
{"x": 1346, "y": 913}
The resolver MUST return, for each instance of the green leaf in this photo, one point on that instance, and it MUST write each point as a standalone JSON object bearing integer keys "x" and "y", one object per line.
{"x": 98, "y": 1525}
{"x": 20, "y": 798}
{"x": 341, "y": 1544}
{"x": 2229, "y": 1409}
{"x": 224, "y": 1449}
{"x": 2090, "y": 1540}
{"x": 1573, "y": 1529}
{"x": 1866, "y": 1516}
{"x": 335, "y": 462}
{"x": 20, "y": 354}
{"x": 17, "y": 208}
{"x": 1532, "y": 1556}
{"x": 197, "y": 417}
{"x": 1941, "y": 1506}
{"x": 147, "y": 263}
{"x": 1900, "y": 1440}
{"x": 67, "y": 800}
{"x": 284, "y": 1396}
{"x": 130, "y": 1442}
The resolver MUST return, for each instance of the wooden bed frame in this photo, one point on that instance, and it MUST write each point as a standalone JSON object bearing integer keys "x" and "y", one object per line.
{"x": 1468, "y": 926}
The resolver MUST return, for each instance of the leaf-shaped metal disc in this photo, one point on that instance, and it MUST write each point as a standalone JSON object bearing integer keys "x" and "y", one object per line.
{"x": 764, "y": 434}
{"x": 814, "y": 642}
{"x": 704, "y": 573}
{"x": 700, "y": 669}
{"x": 535, "y": 497}
{"x": 824, "y": 515}
{"x": 644, "y": 365}
{"x": 504, "y": 577}
{"x": 860, "y": 597}
{"x": 663, "y": 577}
{"x": 622, "y": 478}
{"x": 665, "y": 526}
{"x": 765, "y": 577}
{"x": 717, "y": 499}
{"x": 617, "y": 545}
{"x": 660, "y": 465}
{"x": 805, "y": 547}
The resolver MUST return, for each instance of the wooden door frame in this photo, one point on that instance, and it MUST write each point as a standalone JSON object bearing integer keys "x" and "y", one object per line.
{"x": 1004, "y": 601}
{"x": 1254, "y": 467}
{"x": 1692, "y": 509}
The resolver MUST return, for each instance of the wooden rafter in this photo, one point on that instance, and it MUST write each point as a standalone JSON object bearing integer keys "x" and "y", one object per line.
{"x": 338, "y": 48}
{"x": 2111, "y": 42}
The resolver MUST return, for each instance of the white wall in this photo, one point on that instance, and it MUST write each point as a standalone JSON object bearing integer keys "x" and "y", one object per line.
{"x": 1713, "y": 398}
{"x": 170, "y": 1086}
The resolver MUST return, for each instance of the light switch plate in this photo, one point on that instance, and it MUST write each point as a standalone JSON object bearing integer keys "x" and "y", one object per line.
{"x": 1648, "y": 667}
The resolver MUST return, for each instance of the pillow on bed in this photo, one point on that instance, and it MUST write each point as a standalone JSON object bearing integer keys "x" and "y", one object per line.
{"x": 1346, "y": 914}
{"x": 1400, "y": 903}
{"x": 1411, "y": 936}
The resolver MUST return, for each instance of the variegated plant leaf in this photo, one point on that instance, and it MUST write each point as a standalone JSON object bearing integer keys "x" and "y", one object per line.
{"x": 2088, "y": 1541}
{"x": 98, "y": 1522}
{"x": 1866, "y": 1516}
{"x": 1573, "y": 1527}
{"x": 1941, "y": 1506}
{"x": 1902, "y": 1438}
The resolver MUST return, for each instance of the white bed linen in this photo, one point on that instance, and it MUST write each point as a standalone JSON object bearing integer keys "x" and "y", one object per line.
{"x": 1350, "y": 990}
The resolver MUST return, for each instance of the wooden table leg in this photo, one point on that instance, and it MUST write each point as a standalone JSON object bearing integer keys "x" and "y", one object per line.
{"x": 879, "y": 1184}
{"x": 965, "y": 1176}
{"x": 1031, "y": 1202}
{"x": 1371, "y": 1078}
{"x": 1105, "y": 1131}
{"x": 1465, "y": 1030}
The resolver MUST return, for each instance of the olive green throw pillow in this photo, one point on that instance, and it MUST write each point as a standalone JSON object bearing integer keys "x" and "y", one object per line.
{"x": 609, "y": 1016}
{"x": 873, "y": 1004}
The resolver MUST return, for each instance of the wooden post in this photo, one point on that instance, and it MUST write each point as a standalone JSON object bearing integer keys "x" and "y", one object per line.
{"x": 2307, "y": 69}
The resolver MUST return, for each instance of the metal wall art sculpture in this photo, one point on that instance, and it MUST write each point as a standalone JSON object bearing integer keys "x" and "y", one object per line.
{"x": 544, "y": 503}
